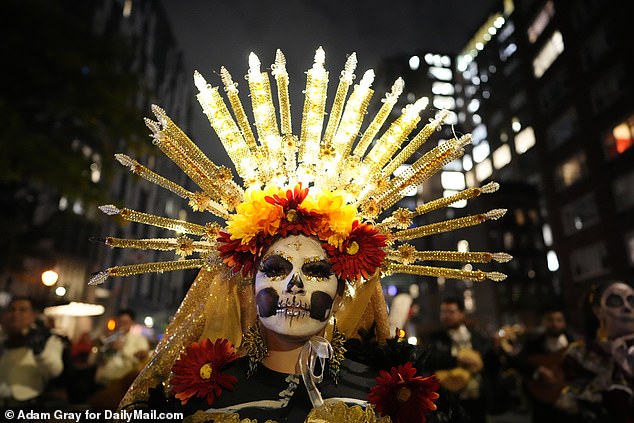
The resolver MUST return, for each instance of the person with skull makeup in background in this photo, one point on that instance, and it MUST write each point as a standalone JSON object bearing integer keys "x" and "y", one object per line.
{"x": 600, "y": 370}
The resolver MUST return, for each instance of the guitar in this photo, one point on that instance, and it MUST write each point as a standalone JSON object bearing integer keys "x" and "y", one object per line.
{"x": 543, "y": 390}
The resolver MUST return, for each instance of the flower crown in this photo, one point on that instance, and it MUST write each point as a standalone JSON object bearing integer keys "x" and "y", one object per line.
{"x": 355, "y": 249}
{"x": 337, "y": 187}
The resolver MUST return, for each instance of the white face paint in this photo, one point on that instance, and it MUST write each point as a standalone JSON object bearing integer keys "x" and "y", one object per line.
{"x": 295, "y": 287}
{"x": 616, "y": 310}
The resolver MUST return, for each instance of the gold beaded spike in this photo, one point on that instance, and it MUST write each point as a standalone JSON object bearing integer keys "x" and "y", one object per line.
{"x": 474, "y": 275}
{"x": 447, "y": 225}
{"x": 331, "y": 151}
{"x": 137, "y": 269}
{"x": 407, "y": 254}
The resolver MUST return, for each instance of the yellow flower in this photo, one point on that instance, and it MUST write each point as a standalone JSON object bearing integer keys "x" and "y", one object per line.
{"x": 338, "y": 216}
{"x": 255, "y": 215}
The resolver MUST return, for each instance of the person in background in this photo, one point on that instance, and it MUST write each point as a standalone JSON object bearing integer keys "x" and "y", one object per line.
{"x": 539, "y": 362}
{"x": 30, "y": 356}
{"x": 599, "y": 372}
{"x": 457, "y": 354}
{"x": 129, "y": 348}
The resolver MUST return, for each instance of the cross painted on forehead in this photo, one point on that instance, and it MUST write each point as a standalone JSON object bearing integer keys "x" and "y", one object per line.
{"x": 297, "y": 244}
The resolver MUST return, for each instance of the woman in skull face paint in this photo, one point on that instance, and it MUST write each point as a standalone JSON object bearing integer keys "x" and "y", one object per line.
{"x": 600, "y": 370}
{"x": 296, "y": 293}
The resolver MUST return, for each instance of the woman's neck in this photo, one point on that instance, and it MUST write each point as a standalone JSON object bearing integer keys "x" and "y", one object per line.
{"x": 283, "y": 352}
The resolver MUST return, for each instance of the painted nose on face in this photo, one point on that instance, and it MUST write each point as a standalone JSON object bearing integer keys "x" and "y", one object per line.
{"x": 295, "y": 284}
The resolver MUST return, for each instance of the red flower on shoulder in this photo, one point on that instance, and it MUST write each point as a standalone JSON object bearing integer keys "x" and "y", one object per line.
{"x": 197, "y": 372}
{"x": 403, "y": 396}
{"x": 360, "y": 253}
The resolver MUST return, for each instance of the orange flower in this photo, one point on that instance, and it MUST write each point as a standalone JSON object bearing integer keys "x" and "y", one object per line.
{"x": 404, "y": 397}
{"x": 197, "y": 372}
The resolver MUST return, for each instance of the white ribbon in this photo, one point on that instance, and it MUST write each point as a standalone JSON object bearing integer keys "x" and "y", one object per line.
{"x": 316, "y": 347}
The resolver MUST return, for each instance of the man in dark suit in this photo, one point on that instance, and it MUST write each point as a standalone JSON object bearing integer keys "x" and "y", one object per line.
{"x": 539, "y": 362}
{"x": 461, "y": 358}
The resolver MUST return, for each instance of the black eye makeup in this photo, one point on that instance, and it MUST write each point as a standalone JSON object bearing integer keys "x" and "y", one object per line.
{"x": 276, "y": 267}
{"x": 319, "y": 269}
{"x": 614, "y": 300}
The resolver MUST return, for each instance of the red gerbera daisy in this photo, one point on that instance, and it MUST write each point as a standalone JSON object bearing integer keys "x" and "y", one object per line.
{"x": 406, "y": 398}
{"x": 293, "y": 198}
{"x": 197, "y": 372}
{"x": 360, "y": 254}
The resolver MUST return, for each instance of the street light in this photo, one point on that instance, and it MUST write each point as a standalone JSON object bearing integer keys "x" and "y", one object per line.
{"x": 49, "y": 278}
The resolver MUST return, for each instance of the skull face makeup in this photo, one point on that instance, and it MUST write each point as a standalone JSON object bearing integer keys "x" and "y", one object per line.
{"x": 295, "y": 287}
{"x": 616, "y": 310}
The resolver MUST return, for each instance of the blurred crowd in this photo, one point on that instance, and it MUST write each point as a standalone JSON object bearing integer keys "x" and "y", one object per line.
{"x": 43, "y": 369}
{"x": 545, "y": 375}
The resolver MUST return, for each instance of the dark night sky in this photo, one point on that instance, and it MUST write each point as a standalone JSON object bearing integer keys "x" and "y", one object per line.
{"x": 216, "y": 33}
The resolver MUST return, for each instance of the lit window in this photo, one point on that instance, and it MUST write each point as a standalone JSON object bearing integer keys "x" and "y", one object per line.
{"x": 548, "y": 54}
{"x": 443, "y": 74}
{"x": 473, "y": 106}
{"x": 414, "y": 62}
{"x": 580, "y": 214}
{"x": 541, "y": 22}
{"x": 570, "y": 171}
{"x": 452, "y": 180}
{"x": 589, "y": 262}
{"x": 520, "y": 217}
{"x": 552, "y": 260}
{"x": 524, "y": 140}
{"x": 483, "y": 170}
{"x": 481, "y": 151}
{"x": 127, "y": 8}
{"x": 516, "y": 125}
{"x": 95, "y": 172}
{"x": 547, "y": 233}
{"x": 443, "y": 102}
{"x": 508, "y": 51}
{"x": 442, "y": 88}
{"x": 78, "y": 207}
{"x": 458, "y": 204}
{"x": 479, "y": 133}
{"x": 623, "y": 192}
{"x": 471, "y": 181}
{"x": 467, "y": 163}
{"x": 620, "y": 139}
{"x": 502, "y": 156}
